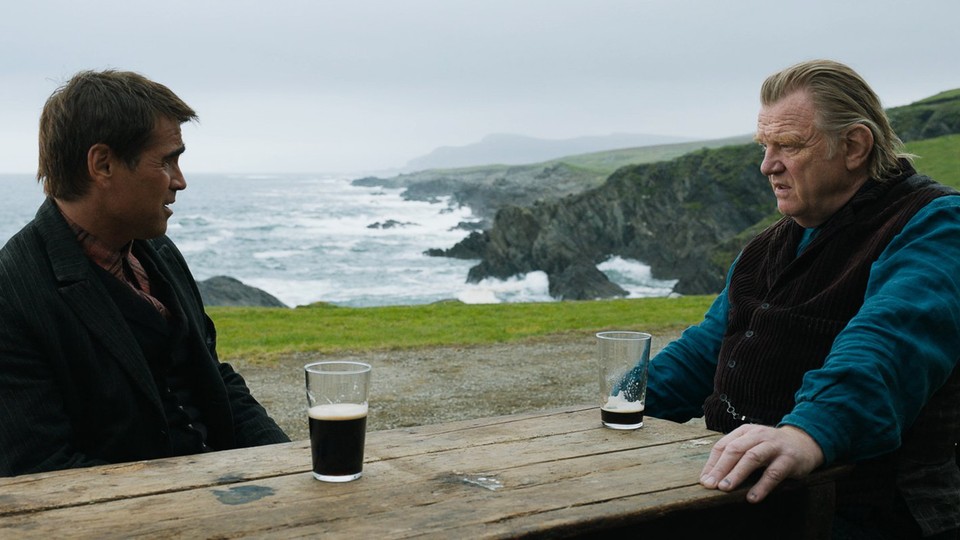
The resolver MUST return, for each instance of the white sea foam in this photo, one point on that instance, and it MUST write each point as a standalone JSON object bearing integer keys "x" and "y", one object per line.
{"x": 634, "y": 277}
{"x": 531, "y": 287}
{"x": 307, "y": 239}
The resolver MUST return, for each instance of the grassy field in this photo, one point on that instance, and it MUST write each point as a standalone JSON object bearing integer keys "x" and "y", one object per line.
{"x": 938, "y": 158}
{"x": 262, "y": 333}
{"x": 608, "y": 161}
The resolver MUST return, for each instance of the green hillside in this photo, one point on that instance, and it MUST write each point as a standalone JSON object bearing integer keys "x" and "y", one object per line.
{"x": 938, "y": 158}
{"x": 608, "y": 161}
{"x": 928, "y": 118}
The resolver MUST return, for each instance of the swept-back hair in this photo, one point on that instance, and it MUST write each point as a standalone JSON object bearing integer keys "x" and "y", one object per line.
{"x": 117, "y": 108}
{"x": 842, "y": 99}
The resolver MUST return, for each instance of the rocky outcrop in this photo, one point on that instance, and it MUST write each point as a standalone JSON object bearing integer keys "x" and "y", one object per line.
{"x": 669, "y": 215}
{"x": 227, "y": 291}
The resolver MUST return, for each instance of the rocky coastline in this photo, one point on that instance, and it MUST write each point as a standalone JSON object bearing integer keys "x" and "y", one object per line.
{"x": 682, "y": 217}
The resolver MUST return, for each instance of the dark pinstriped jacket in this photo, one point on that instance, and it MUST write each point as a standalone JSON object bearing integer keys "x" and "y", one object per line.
{"x": 75, "y": 387}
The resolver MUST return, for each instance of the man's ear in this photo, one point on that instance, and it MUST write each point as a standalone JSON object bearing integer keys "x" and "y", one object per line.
{"x": 858, "y": 143}
{"x": 100, "y": 163}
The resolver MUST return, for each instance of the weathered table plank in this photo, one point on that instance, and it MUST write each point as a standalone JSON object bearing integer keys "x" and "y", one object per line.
{"x": 82, "y": 486}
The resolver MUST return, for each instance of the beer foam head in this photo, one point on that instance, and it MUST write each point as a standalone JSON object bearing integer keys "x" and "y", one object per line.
{"x": 338, "y": 411}
{"x": 619, "y": 403}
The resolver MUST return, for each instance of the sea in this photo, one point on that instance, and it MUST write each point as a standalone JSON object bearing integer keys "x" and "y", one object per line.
{"x": 307, "y": 238}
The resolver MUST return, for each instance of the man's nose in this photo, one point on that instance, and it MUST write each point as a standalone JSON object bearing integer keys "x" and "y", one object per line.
{"x": 177, "y": 180}
{"x": 771, "y": 164}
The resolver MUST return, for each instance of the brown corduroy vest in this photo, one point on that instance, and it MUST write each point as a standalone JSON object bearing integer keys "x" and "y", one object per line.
{"x": 786, "y": 310}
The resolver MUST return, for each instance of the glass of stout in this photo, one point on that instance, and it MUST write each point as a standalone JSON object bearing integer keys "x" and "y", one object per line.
{"x": 337, "y": 401}
{"x": 623, "y": 359}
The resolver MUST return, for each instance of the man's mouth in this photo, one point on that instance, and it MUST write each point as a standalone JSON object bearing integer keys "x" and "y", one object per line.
{"x": 779, "y": 188}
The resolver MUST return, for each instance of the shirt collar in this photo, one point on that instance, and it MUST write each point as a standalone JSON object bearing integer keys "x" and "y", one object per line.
{"x": 102, "y": 255}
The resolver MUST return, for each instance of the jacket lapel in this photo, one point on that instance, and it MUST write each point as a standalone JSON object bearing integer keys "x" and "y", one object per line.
{"x": 90, "y": 301}
{"x": 210, "y": 386}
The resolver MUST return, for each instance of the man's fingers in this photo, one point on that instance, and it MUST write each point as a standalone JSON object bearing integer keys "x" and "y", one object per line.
{"x": 741, "y": 466}
{"x": 771, "y": 478}
{"x": 732, "y": 459}
{"x": 707, "y": 475}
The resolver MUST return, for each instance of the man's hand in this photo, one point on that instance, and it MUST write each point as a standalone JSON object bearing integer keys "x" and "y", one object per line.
{"x": 786, "y": 452}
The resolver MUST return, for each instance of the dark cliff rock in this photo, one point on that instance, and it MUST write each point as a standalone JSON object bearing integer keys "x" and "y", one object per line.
{"x": 390, "y": 224}
{"x": 471, "y": 247}
{"x": 583, "y": 281}
{"x": 227, "y": 291}
{"x": 669, "y": 215}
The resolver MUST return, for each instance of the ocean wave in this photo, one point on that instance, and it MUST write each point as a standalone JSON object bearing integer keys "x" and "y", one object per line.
{"x": 312, "y": 238}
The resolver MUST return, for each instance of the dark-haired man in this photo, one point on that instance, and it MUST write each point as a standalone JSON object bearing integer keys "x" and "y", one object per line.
{"x": 106, "y": 353}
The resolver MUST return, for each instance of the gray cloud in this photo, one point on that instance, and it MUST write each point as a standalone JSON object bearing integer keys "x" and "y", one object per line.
{"x": 327, "y": 86}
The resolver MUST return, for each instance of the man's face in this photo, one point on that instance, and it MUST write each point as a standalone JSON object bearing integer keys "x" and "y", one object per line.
{"x": 810, "y": 184}
{"x": 139, "y": 198}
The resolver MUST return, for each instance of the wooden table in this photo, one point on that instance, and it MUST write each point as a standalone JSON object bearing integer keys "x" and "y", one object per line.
{"x": 550, "y": 474}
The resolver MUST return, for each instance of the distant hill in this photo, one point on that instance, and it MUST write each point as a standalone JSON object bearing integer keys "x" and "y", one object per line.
{"x": 508, "y": 149}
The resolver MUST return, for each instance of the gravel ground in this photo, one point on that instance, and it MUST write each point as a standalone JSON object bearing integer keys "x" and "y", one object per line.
{"x": 440, "y": 384}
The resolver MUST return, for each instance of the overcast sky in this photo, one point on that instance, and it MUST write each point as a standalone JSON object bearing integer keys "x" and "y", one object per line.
{"x": 366, "y": 85}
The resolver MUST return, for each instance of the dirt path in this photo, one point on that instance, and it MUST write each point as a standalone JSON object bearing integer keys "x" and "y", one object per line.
{"x": 439, "y": 384}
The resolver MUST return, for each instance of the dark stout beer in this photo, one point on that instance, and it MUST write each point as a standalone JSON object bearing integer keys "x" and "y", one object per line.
{"x": 618, "y": 413}
{"x": 621, "y": 418}
{"x": 337, "y": 433}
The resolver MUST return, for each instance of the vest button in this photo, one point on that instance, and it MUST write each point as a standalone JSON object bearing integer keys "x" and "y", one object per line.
{"x": 748, "y": 333}
{"x": 764, "y": 306}
{"x": 731, "y": 364}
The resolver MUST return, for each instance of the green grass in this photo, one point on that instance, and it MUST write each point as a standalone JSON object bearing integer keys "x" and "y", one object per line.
{"x": 938, "y": 158}
{"x": 605, "y": 162}
{"x": 610, "y": 160}
{"x": 948, "y": 95}
{"x": 264, "y": 333}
